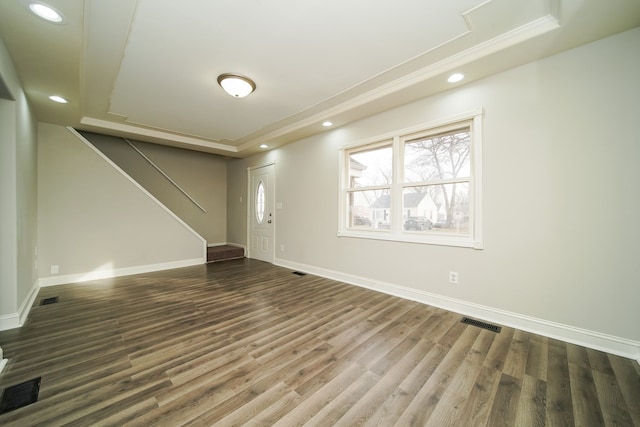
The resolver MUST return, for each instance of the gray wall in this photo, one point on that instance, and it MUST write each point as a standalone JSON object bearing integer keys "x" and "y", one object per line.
{"x": 560, "y": 195}
{"x": 92, "y": 218}
{"x": 201, "y": 175}
{"x": 18, "y": 195}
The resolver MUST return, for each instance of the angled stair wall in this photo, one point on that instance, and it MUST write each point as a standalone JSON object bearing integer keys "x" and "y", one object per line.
{"x": 95, "y": 222}
{"x": 191, "y": 184}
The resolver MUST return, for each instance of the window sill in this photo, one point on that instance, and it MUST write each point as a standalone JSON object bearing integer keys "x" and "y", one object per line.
{"x": 424, "y": 239}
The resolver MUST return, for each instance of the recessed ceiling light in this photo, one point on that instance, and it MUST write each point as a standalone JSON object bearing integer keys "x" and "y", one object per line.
{"x": 236, "y": 85}
{"x": 327, "y": 124}
{"x": 58, "y": 99}
{"x": 45, "y": 12}
{"x": 456, "y": 77}
{"x": 264, "y": 146}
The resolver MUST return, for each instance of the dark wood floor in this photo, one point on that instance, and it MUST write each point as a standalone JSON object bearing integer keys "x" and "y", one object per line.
{"x": 245, "y": 343}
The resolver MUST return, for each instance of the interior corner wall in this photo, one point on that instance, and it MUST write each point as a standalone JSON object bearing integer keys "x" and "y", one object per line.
{"x": 560, "y": 195}
{"x": 18, "y": 192}
{"x": 93, "y": 220}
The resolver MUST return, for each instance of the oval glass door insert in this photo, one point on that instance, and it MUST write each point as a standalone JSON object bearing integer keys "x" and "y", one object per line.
{"x": 260, "y": 202}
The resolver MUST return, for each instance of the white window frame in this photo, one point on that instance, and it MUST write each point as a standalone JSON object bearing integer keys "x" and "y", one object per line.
{"x": 472, "y": 119}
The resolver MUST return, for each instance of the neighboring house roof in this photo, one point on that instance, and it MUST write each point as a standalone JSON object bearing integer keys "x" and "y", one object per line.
{"x": 411, "y": 200}
{"x": 354, "y": 164}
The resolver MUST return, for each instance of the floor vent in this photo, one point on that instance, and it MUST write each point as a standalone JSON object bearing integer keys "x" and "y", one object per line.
{"x": 47, "y": 301}
{"x": 299, "y": 273}
{"x": 20, "y": 395}
{"x": 483, "y": 325}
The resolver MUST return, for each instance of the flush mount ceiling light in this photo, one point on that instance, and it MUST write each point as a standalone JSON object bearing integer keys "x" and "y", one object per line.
{"x": 58, "y": 99}
{"x": 45, "y": 12}
{"x": 236, "y": 85}
{"x": 327, "y": 124}
{"x": 263, "y": 146}
{"x": 455, "y": 78}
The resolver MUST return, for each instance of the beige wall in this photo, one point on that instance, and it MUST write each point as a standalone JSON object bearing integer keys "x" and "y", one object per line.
{"x": 560, "y": 195}
{"x": 201, "y": 175}
{"x": 91, "y": 218}
{"x": 18, "y": 195}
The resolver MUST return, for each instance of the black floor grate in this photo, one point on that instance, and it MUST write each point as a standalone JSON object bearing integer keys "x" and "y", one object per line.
{"x": 483, "y": 325}
{"x": 47, "y": 301}
{"x": 20, "y": 395}
{"x": 299, "y": 273}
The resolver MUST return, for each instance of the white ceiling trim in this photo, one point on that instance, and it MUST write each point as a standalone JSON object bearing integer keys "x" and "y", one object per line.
{"x": 511, "y": 38}
{"x": 151, "y": 133}
{"x": 142, "y": 125}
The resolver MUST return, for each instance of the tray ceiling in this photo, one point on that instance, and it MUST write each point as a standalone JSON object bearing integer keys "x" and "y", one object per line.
{"x": 147, "y": 69}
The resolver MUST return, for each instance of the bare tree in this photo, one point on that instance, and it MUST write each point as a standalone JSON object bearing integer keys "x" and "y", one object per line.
{"x": 438, "y": 158}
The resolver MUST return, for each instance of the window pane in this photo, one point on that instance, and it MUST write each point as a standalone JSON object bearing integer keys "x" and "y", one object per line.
{"x": 370, "y": 209}
{"x": 438, "y": 157}
{"x": 437, "y": 208}
{"x": 260, "y": 202}
{"x": 370, "y": 167}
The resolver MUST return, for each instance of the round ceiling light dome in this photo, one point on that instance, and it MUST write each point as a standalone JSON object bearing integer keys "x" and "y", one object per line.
{"x": 236, "y": 85}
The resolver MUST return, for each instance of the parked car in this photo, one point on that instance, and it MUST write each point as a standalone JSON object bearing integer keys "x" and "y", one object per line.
{"x": 441, "y": 223}
{"x": 361, "y": 220}
{"x": 416, "y": 223}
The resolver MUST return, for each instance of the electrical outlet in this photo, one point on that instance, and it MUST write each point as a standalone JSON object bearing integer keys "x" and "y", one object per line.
{"x": 281, "y": 248}
{"x": 55, "y": 269}
{"x": 453, "y": 277}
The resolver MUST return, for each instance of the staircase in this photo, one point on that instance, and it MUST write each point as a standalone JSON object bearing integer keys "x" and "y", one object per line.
{"x": 223, "y": 253}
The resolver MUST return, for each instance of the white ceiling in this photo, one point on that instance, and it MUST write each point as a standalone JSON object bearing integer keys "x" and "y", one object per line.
{"x": 147, "y": 69}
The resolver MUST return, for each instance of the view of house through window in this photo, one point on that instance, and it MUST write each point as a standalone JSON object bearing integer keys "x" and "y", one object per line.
{"x": 370, "y": 178}
{"x": 420, "y": 186}
{"x": 442, "y": 162}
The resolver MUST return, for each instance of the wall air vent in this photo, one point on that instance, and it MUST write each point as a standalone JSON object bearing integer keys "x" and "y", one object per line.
{"x": 483, "y": 325}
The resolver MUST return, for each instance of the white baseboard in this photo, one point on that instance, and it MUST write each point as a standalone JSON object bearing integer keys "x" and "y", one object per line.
{"x": 210, "y": 245}
{"x": 15, "y": 320}
{"x": 117, "y": 272}
{"x": 591, "y": 339}
{"x": 3, "y": 363}
{"x": 9, "y": 321}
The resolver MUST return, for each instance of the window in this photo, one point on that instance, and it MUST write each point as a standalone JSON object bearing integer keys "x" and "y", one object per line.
{"x": 260, "y": 204}
{"x": 417, "y": 185}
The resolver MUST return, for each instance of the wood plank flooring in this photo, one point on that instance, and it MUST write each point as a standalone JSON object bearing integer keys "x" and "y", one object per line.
{"x": 243, "y": 342}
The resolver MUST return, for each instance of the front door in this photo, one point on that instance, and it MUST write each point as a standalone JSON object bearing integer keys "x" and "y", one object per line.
{"x": 261, "y": 214}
